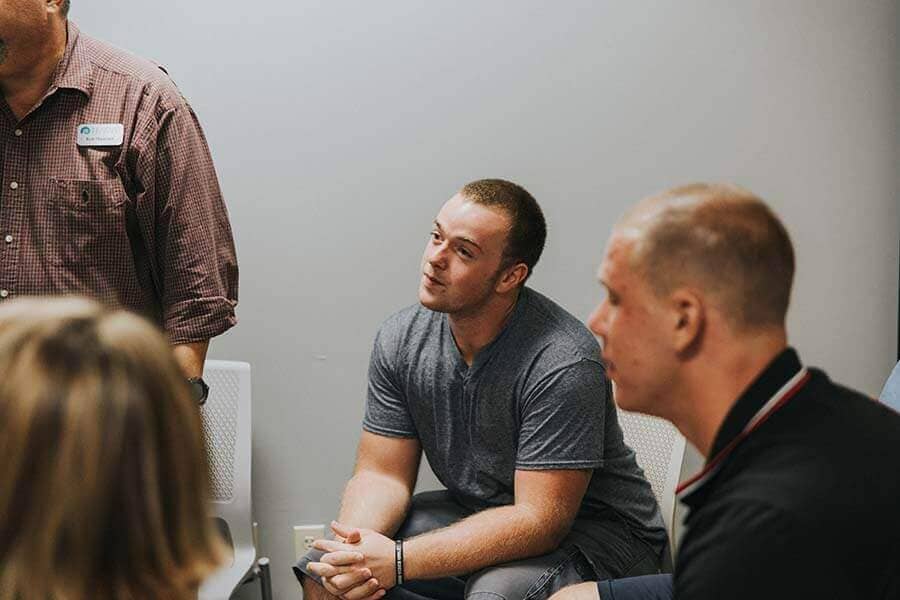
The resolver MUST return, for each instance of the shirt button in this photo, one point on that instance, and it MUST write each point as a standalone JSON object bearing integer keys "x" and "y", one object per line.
{"x": 8, "y": 239}
{"x": 18, "y": 132}
{"x": 4, "y": 293}
{"x": 14, "y": 185}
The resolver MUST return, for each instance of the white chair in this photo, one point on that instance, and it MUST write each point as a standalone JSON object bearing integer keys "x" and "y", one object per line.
{"x": 890, "y": 395}
{"x": 659, "y": 450}
{"x": 227, "y": 433}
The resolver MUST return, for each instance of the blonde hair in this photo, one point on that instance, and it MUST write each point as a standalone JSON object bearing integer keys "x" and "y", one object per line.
{"x": 722, "y": 238}
{"x": 103, "y": 476}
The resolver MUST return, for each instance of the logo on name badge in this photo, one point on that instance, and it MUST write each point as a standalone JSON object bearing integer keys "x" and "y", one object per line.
{"x": 100, "y": 134}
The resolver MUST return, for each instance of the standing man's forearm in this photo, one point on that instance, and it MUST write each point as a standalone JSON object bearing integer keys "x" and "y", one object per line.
{"x": 190, "y": 357}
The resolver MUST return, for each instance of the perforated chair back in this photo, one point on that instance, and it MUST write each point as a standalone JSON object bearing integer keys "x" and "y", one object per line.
{"x": 659, "y": 450}
{"x": 226, "y": 418}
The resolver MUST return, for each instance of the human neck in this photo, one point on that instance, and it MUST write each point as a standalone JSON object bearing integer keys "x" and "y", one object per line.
{"x": 473, "y": 331}
{"x": 25, "y": 87}
{"x": 715, "y": 379}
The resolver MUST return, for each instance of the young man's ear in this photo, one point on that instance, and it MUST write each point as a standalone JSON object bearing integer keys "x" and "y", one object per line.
{"x": 512, "y": 278}
{"x": 688, "y": 317}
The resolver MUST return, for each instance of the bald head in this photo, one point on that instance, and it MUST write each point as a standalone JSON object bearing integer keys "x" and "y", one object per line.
{"x": 720, "y": 239}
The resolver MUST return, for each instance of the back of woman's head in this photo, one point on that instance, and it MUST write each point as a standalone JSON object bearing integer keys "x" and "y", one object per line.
{"x": 103, "y": 481}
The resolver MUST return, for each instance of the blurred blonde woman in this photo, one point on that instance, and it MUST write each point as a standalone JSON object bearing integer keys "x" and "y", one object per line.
{"x": 103, "y": 481}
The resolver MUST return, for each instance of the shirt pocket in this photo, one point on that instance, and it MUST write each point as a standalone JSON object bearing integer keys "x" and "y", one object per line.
{"x": 88, "y": 223}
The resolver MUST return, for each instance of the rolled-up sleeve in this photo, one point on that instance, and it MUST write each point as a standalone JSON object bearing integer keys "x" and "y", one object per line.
{"x": 185, "y": 227}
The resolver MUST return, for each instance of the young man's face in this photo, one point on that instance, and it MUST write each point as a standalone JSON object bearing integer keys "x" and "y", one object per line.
{"x": 462, "y": 259}
{"x": 631, "y": 322}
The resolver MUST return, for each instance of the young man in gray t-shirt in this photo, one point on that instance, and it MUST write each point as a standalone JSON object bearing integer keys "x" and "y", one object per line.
{"x": 505, "y": 393}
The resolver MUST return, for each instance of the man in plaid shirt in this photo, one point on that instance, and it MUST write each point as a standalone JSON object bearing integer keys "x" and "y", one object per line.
{"x": 107, "y": 187}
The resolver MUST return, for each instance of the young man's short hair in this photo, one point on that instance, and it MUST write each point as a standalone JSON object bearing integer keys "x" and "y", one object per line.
{"x": 528, "y": 229}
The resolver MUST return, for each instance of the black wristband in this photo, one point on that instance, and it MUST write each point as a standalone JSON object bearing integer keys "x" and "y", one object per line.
{"x": 398, "y": 564}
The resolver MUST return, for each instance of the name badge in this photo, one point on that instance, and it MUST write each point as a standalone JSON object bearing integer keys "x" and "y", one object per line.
{"x": 100, "y": 134}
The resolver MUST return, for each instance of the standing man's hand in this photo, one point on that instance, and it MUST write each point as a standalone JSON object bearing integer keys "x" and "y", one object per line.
{"x": 344, "y": 576}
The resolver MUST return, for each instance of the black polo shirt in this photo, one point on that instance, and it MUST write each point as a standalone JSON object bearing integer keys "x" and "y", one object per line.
{"x": 807, "y": 506}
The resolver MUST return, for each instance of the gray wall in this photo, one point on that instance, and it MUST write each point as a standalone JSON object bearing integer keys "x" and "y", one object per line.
{"x": 338, "y": 129}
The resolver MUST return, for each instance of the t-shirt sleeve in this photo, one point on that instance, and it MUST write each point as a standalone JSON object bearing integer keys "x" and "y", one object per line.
{"x": 563, "y": 418}
{"x": 757, "y": 552}
{"x": 387, "y": 412}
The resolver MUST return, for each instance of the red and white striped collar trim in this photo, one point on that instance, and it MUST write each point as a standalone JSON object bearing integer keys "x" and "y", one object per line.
{"x": 781, "y": 397}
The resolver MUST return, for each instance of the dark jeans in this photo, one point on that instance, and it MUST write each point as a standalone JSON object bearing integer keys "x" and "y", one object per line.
{"x": 534, "y": 578}
{"x": 649, "y": 587}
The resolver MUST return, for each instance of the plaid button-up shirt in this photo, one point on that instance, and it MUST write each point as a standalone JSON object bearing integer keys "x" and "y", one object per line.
{"x": 139, "y": 224}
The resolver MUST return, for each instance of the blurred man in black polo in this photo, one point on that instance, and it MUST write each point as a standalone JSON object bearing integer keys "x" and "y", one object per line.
{"x": 799, "y": 495}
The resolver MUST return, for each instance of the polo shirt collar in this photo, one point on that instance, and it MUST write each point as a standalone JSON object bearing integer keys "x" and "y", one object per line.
{"x": 75, "y": 71}
{"x": 766, "y": 385}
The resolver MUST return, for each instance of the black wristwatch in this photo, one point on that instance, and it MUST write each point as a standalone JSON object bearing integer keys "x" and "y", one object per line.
{"x": 199, "y": 389}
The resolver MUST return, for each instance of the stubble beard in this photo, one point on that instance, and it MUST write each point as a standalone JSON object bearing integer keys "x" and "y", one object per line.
{"x": 468, "y": 307}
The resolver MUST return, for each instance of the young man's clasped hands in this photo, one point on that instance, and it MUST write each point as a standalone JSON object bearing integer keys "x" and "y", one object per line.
{"x": 359, "y": 564}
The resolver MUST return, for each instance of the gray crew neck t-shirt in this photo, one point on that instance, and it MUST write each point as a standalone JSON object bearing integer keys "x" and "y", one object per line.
{"x": 535, "y": 398}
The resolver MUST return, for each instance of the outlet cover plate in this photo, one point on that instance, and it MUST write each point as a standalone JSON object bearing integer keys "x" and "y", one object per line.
{"x": 304, "y": 536}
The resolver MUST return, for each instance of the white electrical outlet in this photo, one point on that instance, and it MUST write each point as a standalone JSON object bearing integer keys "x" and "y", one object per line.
{"x": 304, "y": 536}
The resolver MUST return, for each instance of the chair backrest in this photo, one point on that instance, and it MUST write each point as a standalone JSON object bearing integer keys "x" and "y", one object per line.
{"x": 659, "y": 450}
{"x": 890, "y": 395}
{"x": 226, "y": 417}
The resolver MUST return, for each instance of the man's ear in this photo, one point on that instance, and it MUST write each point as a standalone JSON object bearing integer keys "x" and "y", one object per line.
{"x": 54, "y": 6}
{"x": 688, "y": 318}
{"x": 512, "y": 278}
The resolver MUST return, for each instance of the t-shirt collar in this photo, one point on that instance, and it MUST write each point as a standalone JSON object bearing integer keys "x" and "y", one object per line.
{"x": 485, "y": 354}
